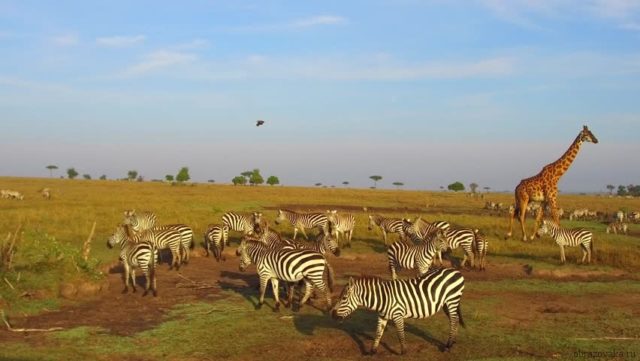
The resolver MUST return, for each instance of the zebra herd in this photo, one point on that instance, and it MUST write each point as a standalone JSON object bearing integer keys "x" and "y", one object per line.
{"x": 282, "y": 260}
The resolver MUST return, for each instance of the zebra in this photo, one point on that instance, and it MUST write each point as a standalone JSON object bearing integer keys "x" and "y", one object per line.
{"x": 215, "y": 235}
{"x": 301, "y": 221}
{"x": 421, "y": 230}
{"x": 46, "y": 193}
{"x": 465, "y": 238}
{"x": 408, "y": 256}
{"x": 620, "y": 216}
{"x": 396, "y": 300}
{"x": 9, "y": 194}
{"x": 186, "y": 238}
{"x": 161, "y": 239}
{"x": 480, "y": 246}
{"x": 617, "y": 227}
{"x": 344, "y": 224}
{"x": 238, "y": 222}
{"x": 387, "y": 225}
{"x": 141, "y": 221}
{"x": 289, "y": 265}
{"x": 569, "y": 237}
{"x": 142, "y": 255}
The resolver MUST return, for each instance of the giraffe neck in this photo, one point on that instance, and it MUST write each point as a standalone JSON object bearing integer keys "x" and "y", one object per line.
{"x": 560, "y": 166}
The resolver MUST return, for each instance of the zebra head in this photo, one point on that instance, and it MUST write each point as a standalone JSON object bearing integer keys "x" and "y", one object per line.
{"x": 408, "y": 226}
{"x": 347, "y": 303}
{"x": 440, "y": 240}
{"x": 245, "y": 259}
{"x": 587, "y": 136}
{"x": 257, "y": 218}
{"x": 331, "y": 242}
{"x": 280, "y": 217}
{"x": 118, "y": 237}
{"x": 544, "y": 228}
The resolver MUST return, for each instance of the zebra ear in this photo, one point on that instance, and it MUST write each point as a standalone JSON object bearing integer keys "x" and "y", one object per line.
{"x": 350, "y": 281}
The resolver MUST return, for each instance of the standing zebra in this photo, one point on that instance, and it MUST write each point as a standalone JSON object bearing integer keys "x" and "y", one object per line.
{"x": 480, "y": 246}
{"x": 301, "y": 221}
{"x": 243, "y": 223}
{"x": 144, "y": 221}
{"x": 465, "y": 238}
{"x": 344, "y": 225}
{"x": 161, "y": 239}
{"x": 569, "y": 237}
{"x": 409, "y": 256}
{"x": 142, "y": 255}
{"x": 617, "y": 227}
{"x": 387, "y": 225}
{"x": 396, "y": 300}
{"x": 289, "y": 265}
{"x": 215, "y": 235}
{"x": 424, "y": 230}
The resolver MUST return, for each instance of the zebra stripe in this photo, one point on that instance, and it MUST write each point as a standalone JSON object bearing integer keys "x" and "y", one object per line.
{"x": 386, "y": 225}
{"x": 187, "y": 241}
{"x": 289, "y": 265}
{"x": 243, "y": 223}
{"x": 462, "y": 237}
{"x": 161, "y": 239}
{"x": 396, "y": 300}
{"x": 215, "y": 236}
{"x": 409, "y": 256}
{"x": 344, "y": 224}
{"x": 134, "y": 256}
{"x": 139, "y": 222}
{"x": 480, "y": 246}
{"x": 569, "y": 237}
{"x": 424, "y": 230}
{"x": 301, "y": 221}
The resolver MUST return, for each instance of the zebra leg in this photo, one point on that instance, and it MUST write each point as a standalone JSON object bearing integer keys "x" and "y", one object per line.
{"x": 291, "y": 288}
{"x": 127, "y": 275}
{"x": 382, "y": 323}
{"x": 295, "y": 233}
{"x": 452, "y": 313}
{"x": 147, "y": 286}
{"x": 392, "y": 268}
{"x": 263, "y": 289}
{"x": 133, "y": 280}
{"x": 562, "y": 258}
{"x": 304, "y": 233}
{"x": 308, "y": 288}
{"x": 349, "y": 237}
{"x": 276, "y": 293}
{"x": 399, "y": 322}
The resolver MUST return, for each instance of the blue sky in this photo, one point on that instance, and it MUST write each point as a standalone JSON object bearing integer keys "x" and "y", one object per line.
{"x": 422, "y": 92}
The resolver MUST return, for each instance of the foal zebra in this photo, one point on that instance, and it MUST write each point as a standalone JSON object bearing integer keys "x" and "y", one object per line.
{"x": 134, "y": 255}
{"x": 301, "y": 221}
{"x": 387, "y": 225}
{"x": 344, "y": 225}
{"x": 408, "y": 256}
{"x": 161, "y": 239}
{"x": 289, "y": 265}
{"x": 396, "y": 300}
{"x": 238, "y": 222}
{"x": 569, "y": 237}
{"x": 215, "y": 235}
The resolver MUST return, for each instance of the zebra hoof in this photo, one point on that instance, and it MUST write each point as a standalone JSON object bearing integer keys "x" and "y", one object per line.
{"x": 144, "y": 294}
{"x": 373, "y": 351}
{"x": 155, "y": 293}
{"x": 276, "y": 308}
{"x": 258, "y": 306}
{"x": 126, "y": 290}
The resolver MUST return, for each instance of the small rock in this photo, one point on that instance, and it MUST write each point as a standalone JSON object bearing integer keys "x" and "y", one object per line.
{"x": 68, "y": 291}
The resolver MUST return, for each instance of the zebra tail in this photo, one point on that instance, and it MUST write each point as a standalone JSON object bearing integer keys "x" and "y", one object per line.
{"x": 193, "y": 243}
{"x": 152, "y": 266}
{"x": 330, "y": 276}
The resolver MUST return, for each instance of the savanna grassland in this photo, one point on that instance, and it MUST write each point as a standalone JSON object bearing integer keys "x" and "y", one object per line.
{"x": 524, "y": 306}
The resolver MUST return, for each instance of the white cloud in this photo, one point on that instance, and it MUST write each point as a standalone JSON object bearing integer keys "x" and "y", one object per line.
{"x": 65, "y": 40}
{"x": 318, "y": 20}
{"x": 120, "y": 41}
{"x": 158, "y": 60}
{"x": 192, "y": 45}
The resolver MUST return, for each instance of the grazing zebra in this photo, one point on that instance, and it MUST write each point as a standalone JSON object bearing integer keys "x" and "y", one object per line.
{"x": 301, "y": 221}
{"x": 243, "y": 223}
{"x": 289, "y": 265}
{"x": 139, "y": 221}
{"x": 161, "y": 239}
{"x": 387, "y": 225}
{"x": 617, "y": 227}
{"x": 215, "y": 235}
{"x": 408, "y": 256}
{"x": 569, "y": 237}
{"x": 9, "y": 194}
{"x": 142, "y": 255}
{"x": 344, "y": 225}
{"x": 396, "y": 300}
{"x": 462, "y": 237}
{"x": 480, "y": 246}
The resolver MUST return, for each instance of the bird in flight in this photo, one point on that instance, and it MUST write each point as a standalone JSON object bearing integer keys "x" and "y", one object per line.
{"x": 259, "y": 123}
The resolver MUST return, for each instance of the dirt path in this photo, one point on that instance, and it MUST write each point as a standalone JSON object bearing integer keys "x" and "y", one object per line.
{"x": 110, "y": 309}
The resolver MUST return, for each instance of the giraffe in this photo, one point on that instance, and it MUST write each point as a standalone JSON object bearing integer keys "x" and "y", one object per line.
{"x": 543, "y": 187}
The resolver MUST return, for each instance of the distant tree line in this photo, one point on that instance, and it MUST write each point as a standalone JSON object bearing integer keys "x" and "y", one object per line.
{"x": 254, "y": 178}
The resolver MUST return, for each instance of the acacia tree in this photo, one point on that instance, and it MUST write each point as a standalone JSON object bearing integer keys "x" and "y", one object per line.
{"x": 456, "y": 187}
{"x": 398, "y": 184}
{"x": 103, "y": 177}
{"x": 610, "y": 187}
{"x": 72, "y": 173}
{"x": 183, "y": 175}
{"x": 318, "y": 184}
{"x": 375, "y": 179}
{"x": 239, "y": 180}
{"x": 345, "y": 183}
{"x": 273, "y": 180}
{"x": 247, "y": 174}
{"x": 132, "y": 174}
{"x": 256, "y": 178}
{"x": 169, "y": 177}
{"x": 473, "y": 187}
{"x": 86, "y": 176}
{"x": 486, "y": 189}
{"x": 51, "y": 168}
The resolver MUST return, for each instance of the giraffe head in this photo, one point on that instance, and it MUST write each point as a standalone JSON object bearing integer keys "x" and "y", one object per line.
{"x": 587, "y": 136}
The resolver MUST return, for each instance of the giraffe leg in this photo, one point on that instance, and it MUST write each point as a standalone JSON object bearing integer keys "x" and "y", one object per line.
{"x": 538, "y": 220}
{"x": 522, "y": 216}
